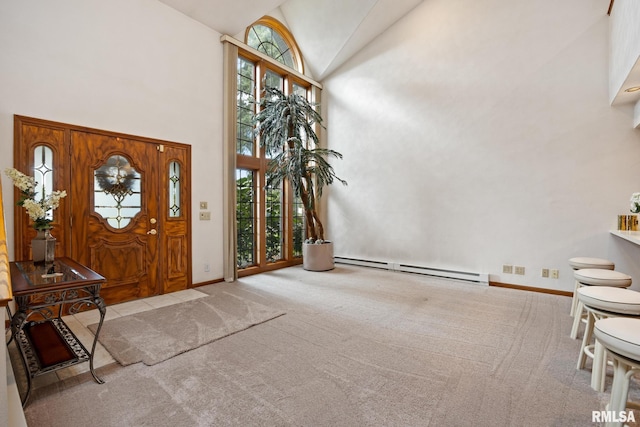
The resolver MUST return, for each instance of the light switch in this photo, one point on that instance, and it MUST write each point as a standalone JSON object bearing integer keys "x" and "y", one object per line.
{"x": 205, "y": 216}
{"x": 203, "y": 205}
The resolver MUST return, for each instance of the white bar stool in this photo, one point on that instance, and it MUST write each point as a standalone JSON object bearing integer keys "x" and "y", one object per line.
{"x": 578, "y": 263}
{"x": 620, "y": 336}
{"x": 601, "y": 302}
{"x": 595, "y": 277}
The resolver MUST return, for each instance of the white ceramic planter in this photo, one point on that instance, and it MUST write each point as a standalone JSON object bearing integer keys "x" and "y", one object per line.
{"x": 317, "y": 257}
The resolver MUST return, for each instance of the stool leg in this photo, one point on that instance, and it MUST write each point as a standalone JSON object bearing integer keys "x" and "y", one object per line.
{"x": 619, "y": 390}
{"x": 599, "y": 369}
{"x": 586, "y": 339}
{"x": 577, "y": 318}
{"x": 615, "y": 398}
{"x": 574, "y": 299}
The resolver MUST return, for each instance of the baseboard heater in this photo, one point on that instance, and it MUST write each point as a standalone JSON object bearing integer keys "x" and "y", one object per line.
{"x": 480, "y": 278}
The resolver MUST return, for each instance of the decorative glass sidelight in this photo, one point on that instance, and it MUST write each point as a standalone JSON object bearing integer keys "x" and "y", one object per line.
{"x": 174, "y": 190}
{"x": 43, "y": 174}
{"x": 43, "y": 246}
{"x": 117, "y": 195}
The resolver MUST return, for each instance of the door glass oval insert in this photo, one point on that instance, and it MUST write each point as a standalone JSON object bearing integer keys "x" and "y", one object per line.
{"x": 117, "y": 187}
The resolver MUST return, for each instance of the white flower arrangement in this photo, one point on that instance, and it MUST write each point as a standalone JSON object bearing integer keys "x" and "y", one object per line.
{"x": 635, "y": 202}
{"x": 36, "y": 209}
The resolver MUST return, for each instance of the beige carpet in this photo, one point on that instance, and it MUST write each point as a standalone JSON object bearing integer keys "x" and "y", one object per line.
{"x": 357, "y": 347}
{"x": 157, "y": 335}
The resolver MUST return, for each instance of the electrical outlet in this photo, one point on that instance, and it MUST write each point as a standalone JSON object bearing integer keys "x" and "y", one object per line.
{"x": 519, "y": 270}
{"x": 555, "y": 274}
{"x": 207, "y": 268}
{"x": 507, "y": 269}
{"x": 545, "y": 272}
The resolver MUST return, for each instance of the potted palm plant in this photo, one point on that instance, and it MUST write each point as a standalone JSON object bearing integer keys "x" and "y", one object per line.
{"x": 286, "y": 127}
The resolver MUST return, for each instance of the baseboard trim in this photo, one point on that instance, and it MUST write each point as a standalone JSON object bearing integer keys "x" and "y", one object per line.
{"x": 531, "y": 288}
{"x": 496, "y": 284}
{"x": 208, "y": 282}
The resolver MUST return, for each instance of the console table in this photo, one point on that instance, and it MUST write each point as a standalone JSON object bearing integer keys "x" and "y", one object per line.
{"x": 42, "y": 293}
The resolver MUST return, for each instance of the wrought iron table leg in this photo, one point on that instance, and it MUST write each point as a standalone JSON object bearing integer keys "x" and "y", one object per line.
{"x": 99, "y": 302}
{"x": 28, "y": 393}
{"x": 17, "y": 323}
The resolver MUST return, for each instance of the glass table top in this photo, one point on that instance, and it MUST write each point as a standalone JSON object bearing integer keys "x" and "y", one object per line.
{"x": 41, "y": 274}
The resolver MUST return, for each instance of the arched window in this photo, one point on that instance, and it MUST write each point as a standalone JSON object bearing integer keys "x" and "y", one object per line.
{"x": 269, "y": 223}
{"x": 270, "y": 37}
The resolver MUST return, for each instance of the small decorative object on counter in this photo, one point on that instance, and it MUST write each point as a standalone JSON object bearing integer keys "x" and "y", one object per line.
{"x": 43, "y": 247}
{"x": 622, "y": 222}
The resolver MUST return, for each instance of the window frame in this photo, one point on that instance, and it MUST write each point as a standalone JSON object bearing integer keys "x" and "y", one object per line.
{"x": 258, "y": 164}
{"x": 233, "y": 49}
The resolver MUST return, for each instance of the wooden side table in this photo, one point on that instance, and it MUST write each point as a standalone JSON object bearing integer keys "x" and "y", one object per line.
{"x": 42, "y": 293}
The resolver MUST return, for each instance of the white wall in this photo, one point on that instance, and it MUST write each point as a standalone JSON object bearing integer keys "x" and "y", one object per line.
{"x": 479, "y": 133}
{"x": 130, "y": 66}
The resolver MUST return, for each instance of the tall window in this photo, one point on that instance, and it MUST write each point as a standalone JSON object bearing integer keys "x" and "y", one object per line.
{"x": 269, "y": 220}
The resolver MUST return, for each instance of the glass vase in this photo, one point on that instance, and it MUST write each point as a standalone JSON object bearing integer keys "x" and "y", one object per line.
{"x": 43, "y": 247}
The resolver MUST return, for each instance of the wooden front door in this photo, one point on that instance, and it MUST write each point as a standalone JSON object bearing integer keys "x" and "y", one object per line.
{"x": 115, "y": 210}
{"x": 130, "y": 211}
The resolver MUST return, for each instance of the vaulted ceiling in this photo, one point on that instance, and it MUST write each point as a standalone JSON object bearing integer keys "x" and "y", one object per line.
{"x": 328, "y": 32}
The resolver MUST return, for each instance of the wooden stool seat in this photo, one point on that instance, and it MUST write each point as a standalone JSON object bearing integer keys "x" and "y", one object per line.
{"x": 578, "y": 263}
{"x": 595, "y": 277}
{"x": 602, "y": 302}
{"x": 611, "y": 299}
{"x": 598, "y": 277}
{"x": 620, "y": 336}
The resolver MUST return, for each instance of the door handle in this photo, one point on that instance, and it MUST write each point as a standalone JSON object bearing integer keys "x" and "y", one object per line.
{"x": 153, "y": 232}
